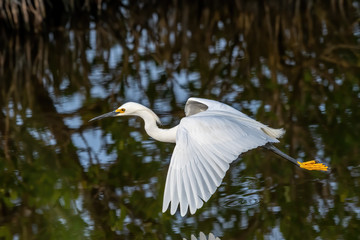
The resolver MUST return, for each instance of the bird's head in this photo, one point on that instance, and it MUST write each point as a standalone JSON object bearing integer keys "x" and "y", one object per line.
{"x": 128, "y": 109}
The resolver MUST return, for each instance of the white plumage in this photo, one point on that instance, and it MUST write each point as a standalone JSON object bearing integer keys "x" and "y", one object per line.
{"x": 208, "y": 139}
{"x": 206, "y": 143}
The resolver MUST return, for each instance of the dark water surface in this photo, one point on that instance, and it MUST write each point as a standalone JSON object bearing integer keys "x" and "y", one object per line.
{"x": 292, "y": 65}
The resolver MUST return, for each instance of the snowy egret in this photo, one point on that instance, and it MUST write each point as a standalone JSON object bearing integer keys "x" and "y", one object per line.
{"x": 208, "y": 139}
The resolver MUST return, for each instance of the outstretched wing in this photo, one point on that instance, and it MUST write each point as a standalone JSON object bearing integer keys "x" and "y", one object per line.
{"x": 206, "y": 143}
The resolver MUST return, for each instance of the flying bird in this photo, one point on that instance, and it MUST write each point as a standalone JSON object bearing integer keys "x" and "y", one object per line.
{"x": 207, "y": 140}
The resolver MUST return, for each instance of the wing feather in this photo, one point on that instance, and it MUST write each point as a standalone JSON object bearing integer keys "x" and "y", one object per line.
{"x": 206, "y": 143}
{"x": 200, "y": 182}
{"x": 174, "y": 197}
{"x": 213, "y": 168}
{"x": 192, "y": 193}
{"x": 182, "y": 194}
{"x": 189, "y": 196}
{"x": 206, "y": 179}
{"x": 169, "y": 196}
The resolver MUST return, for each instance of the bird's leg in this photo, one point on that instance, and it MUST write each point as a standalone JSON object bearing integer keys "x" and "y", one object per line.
{"x": 309, "y": 165}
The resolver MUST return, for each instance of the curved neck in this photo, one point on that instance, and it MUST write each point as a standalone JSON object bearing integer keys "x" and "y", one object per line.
{"x": 151, "y": 128}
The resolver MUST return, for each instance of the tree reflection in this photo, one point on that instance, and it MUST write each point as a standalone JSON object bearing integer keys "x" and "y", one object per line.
{"x": 289, "y": 64}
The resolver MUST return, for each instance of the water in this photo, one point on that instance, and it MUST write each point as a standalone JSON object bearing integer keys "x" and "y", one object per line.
{"x": 63, "y": 177}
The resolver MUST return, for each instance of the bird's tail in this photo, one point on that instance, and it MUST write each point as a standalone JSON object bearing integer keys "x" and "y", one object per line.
{"x": 272, "y": 132}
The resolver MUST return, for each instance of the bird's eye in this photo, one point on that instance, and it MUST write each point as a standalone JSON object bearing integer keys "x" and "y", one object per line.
{"x": 121, "y": 110}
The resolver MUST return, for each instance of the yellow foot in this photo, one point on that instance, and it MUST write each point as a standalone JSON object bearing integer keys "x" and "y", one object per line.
{"x": 313, "y": 165}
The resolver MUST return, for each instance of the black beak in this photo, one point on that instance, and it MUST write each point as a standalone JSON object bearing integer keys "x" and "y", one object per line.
{"x": 110, "y": 114}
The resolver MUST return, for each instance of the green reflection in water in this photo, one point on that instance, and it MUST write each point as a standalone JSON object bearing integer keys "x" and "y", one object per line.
{"x": 288, "y": 65}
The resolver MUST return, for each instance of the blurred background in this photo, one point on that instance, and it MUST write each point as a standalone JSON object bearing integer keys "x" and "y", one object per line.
{"x": 292, "y": 64}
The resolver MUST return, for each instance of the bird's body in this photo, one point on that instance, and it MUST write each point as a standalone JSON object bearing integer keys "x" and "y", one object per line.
{"x": 208, "y": 139}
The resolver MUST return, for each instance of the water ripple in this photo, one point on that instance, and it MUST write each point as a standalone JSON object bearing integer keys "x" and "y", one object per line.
{"x": 245, "y": 195}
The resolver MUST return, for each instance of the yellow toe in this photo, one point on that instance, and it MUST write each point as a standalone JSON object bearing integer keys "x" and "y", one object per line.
{"x": 313, "y": 165}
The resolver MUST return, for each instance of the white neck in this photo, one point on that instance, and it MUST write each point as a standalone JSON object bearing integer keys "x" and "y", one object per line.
{"x": 151, "y": 128}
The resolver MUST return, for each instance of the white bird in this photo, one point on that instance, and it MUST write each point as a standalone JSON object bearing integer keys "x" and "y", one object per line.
{"x": 208, "y": 139}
